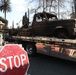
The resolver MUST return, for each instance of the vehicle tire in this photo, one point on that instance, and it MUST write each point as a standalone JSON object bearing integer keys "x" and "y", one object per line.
{"x": 61, "y": 34}
{"x": 30, "y": 49}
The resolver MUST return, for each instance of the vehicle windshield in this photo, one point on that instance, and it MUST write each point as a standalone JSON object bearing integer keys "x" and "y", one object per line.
{"x": 45, "y": 16}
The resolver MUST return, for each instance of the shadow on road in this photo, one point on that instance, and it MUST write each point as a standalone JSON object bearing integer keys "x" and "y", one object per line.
{"x": 47, "y": 65}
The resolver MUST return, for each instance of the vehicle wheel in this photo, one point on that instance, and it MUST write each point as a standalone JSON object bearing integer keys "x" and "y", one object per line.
{"x": 30, "y": 49}
{"x": 61, "y": 34}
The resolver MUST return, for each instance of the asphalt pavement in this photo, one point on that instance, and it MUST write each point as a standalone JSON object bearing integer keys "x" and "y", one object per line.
{"x": 47, "y": 65}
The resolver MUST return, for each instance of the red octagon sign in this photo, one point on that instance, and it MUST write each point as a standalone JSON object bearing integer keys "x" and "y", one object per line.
{"x": 13, "y": 60}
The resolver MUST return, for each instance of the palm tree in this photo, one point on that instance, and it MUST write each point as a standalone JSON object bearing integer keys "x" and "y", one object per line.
{"x": 5, "y": 7}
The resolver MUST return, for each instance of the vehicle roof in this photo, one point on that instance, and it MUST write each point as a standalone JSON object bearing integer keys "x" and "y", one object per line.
{"x": 48, "y": 14}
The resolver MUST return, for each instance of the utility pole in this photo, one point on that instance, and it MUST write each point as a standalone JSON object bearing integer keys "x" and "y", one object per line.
{"x": 28, "y": 13}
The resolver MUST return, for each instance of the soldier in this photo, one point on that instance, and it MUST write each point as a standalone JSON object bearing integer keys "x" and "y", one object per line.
{"x": 25, "y": 21}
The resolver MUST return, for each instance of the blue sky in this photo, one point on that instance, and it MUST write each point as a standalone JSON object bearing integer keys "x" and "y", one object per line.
{"x": 18, "y": 10}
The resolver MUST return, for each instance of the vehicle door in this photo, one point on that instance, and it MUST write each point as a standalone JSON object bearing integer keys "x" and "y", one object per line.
{"x": 39, "y": 25}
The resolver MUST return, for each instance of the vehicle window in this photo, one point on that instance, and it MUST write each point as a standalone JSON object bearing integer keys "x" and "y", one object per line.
{"x": 44, "y": 18}
{"x": 38, "y": 18}
{"x": 52, "y": 18}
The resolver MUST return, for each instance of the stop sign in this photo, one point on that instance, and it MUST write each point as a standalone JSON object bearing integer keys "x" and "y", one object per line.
{"x": 13, "y": 60}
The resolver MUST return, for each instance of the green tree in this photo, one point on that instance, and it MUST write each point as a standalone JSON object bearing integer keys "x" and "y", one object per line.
{"x": 5, "y": 7}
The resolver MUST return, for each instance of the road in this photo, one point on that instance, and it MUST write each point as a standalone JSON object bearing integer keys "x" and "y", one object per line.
{"x": 46, "y": 65}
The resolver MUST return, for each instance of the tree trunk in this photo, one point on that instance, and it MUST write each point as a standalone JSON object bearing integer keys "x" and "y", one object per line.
{"x": 75, "y": 7}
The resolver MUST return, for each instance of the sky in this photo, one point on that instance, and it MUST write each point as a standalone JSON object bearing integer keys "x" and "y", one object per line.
{"x": 19, "y": 7}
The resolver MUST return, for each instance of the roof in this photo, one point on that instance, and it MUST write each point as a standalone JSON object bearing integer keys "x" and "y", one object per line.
{"x": 48, "y": 14}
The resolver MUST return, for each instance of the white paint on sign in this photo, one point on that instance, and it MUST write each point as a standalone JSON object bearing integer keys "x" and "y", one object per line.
{"x": 18, "y": 61}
